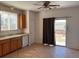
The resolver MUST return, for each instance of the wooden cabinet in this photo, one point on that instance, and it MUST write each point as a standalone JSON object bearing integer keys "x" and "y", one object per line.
{"x": 19, "y": 42}
{"x": 16, "y": 43}
{"x": 9, "y": 45}
{"x": 21, "y": 21}
{"x": 13, "y": 44}
{"x": 0, "y": 50}
{"x": 6, "y": 47}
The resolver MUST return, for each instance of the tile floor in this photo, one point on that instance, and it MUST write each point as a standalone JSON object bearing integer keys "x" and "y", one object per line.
{"x": 41, "y": 51}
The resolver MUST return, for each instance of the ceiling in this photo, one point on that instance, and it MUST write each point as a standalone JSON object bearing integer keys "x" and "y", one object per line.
{"x": 29, "y": 5}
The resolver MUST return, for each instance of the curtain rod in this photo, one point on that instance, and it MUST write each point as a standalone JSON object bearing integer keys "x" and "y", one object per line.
{"x": 63, "y": 17}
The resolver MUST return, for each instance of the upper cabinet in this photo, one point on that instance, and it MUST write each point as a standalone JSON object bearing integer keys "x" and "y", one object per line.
{"x": 21, "y": 21}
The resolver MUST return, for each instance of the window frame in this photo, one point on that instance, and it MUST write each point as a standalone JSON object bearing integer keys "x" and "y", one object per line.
{"x": 9, "y": 24}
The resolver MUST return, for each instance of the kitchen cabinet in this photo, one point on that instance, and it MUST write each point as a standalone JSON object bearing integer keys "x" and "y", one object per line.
{"x": 6, "y": 47}
{"x": 9, "y": 45}
{"x": 19, "y": 42}
{"x": 0, "y": 50}
{"x": 21, "y": 21}
{"x": 13, "y": 44}
{"x": 16, "y": 43}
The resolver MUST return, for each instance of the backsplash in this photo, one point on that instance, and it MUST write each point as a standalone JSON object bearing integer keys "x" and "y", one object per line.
{"x": 4, "y": 33}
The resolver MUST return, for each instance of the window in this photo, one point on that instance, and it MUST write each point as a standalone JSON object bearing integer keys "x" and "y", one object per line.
{"x": 8, "y": 21}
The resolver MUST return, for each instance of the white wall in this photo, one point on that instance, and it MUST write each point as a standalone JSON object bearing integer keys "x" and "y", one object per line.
{"x": 32, "y": 25}
{"x": 31, "y": 17}
{"x": 27, "y": 22}
{"x": 72, "y": 23}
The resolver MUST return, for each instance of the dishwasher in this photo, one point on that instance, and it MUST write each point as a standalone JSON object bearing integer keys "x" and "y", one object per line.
{"x": 24, "y": 41}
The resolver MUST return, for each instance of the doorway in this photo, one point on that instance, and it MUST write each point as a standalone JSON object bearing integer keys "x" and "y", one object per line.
{"x": 60, "y": 32}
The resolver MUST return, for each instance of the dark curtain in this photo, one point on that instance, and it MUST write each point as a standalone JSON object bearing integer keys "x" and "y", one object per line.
{"x": 48, "y": 31}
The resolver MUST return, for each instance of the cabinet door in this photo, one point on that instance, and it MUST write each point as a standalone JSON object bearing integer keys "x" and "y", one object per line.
{"x": 19, "y": 42}
{"x": 16, "y": 43}
{"x": 6, "y": 47}
{"x": 13, "y": 44}
{"x": 0, "y": 50}
{"x": 21, "y": 21}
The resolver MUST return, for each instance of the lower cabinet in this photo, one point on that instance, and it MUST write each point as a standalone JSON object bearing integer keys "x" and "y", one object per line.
{"x": 9, "y": 45}
{"x": 6, "y": 47}
{"x": 16, "y": 43}
{"x": 13, "y": 44}
{"x": 0, "y": 50}
{"x": 19, "y": 42}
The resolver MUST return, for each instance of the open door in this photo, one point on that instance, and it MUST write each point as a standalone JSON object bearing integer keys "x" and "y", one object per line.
{"x": 60, "y": 32}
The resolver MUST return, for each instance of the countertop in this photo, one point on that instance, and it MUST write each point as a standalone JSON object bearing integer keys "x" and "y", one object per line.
{"x": 12, "y": 36}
